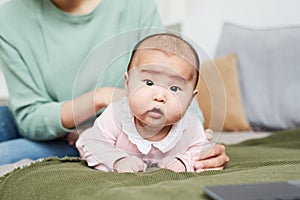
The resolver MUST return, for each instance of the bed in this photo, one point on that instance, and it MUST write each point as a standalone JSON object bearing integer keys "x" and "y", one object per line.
{"x": 274, "y": 157}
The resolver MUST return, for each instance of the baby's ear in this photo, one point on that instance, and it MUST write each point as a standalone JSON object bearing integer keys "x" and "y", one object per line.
{"x": 126, "y": 78}
{"x": 195, "y": 92}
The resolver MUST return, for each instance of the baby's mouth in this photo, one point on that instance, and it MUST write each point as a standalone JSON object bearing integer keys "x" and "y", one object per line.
{"x": 155, "y": 113}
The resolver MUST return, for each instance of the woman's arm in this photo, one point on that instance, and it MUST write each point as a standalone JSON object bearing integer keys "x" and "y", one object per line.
{"x": 36, "y": 114}
{"x": 76, "y": 111}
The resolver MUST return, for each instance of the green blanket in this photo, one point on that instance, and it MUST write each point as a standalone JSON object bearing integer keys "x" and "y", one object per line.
{"x": 275, "y": 158}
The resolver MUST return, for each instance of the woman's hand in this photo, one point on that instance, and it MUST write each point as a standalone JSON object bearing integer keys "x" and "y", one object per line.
{"x": 72, "y": 137}
{"x": 214, "y": 159}
{"x": 104, "y": 96}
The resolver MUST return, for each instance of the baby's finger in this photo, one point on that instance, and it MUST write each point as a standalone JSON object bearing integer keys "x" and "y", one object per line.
{"x": 178, "y": 168}
{"x": 123, "y": 169}
{"x": 138, "y": 165}
{"x": 144, "y": 167}
{"x": 135, "y": 167}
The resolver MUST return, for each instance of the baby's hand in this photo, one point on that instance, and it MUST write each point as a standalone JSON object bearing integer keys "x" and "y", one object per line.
{"x": 130, "y": 164}
{"x": 172, "y": 163}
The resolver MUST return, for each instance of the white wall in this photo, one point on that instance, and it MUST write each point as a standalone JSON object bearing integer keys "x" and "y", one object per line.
{"x": 172, "y": 11}
{"x": 204, "y": 18}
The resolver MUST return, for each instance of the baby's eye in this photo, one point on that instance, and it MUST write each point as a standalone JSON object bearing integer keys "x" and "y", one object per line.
{"x": 175, "y": 89}
{"x": 149, "y": 82}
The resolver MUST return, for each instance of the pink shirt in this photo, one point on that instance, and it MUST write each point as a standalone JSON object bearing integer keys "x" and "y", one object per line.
{"x": 114, "y": 136}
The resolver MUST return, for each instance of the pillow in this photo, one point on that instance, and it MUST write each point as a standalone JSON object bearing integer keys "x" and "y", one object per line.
{"x": 219, "y": 95}
{"x": 269, "y": 69}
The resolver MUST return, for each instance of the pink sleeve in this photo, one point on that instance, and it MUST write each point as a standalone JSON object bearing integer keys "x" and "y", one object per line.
{"x": 96, "y": 145}
{"x": 198, "y": 143}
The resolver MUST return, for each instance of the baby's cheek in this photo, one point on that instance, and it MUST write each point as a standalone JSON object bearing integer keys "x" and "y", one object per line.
{"x": 177, "y": 107}
{"x": 135, "y": 93}
{"x": 136, "y": 111}
{"x": 178, "y": 102}
{"x": 139, "y": 102}
{"x": 174, "y": 113}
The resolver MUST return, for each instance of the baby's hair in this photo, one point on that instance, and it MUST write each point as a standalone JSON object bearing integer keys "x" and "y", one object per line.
{"x": 170, "y": 44}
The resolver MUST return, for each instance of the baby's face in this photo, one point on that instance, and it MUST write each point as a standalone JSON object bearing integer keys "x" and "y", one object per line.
{"x": 160, "y": 88}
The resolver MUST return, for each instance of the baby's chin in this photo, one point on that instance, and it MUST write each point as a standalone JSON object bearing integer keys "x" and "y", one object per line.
{"x": 155, "y": 123}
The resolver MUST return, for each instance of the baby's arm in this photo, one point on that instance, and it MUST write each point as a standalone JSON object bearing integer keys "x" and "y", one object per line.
{"x": 97, "y": 144}
{"x": 197, "y": 143}
{"x": 98, "y": 151}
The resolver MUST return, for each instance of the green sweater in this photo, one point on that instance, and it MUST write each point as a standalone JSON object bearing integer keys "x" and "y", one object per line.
{"x": 44, "y": 55}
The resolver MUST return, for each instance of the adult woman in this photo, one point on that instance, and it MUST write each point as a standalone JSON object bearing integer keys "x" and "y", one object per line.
{"x": 42, "y": 62}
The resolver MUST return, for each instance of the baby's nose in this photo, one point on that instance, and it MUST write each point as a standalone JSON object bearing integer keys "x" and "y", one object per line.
{"x": 159, "y": 94}
{"x": 159, "y": 99}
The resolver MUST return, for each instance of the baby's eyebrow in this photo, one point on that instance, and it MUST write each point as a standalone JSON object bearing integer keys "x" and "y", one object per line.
{"x": 150, "y": 71}
{"x": 179, "y": 79}
{"x": 173, "y": 77}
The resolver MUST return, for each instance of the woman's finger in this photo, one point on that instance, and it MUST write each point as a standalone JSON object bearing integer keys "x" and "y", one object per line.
{"x": 211, "y": 163}
{"x": 215, "y": 151}
{"x": 209, "y": 134}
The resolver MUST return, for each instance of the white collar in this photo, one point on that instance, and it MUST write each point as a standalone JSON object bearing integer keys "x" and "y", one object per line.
{"x": 144, "y": 146}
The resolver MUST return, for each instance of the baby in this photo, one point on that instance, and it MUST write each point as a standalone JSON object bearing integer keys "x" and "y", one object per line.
{"x": 152, "y": 125}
